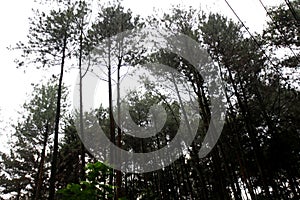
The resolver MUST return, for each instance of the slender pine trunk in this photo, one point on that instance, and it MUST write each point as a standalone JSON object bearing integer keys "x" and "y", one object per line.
{"x": 111, "y": 118}
{"x": 39, "y": 181}
{"x": 57, "y": 120}
{"x": 82, "y": 156}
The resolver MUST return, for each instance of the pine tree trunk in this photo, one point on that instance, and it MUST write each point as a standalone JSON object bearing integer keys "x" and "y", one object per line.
{"x": 82, "y": 170}
{"x": 57, "y": 120}
{"x": 119, "y": 144}
{"x": 39, "y": 181}
{"x": 251, "y": 131}
{"x": 111, "y": 118}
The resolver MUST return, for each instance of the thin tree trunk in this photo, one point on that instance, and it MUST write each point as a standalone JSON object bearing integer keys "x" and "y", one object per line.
{"x": 239, "y": 152}
{"x": 82, "y": 170}
{"x": 39, "y": 181}
{"x": 57, "y": 120}
{"x": 249, "y": 126}
{"x": 111, "y": 118}
{"x": 119, "y": 144}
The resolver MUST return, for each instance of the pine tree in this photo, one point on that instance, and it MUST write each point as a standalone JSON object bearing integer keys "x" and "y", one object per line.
{"x": 26, "y": 167}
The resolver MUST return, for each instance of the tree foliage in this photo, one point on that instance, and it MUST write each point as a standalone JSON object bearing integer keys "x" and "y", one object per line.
{"x": 257, "y": 156}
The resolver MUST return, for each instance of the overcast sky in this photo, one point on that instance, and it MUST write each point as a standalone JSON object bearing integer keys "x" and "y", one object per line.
{"x": 15, "y": 84}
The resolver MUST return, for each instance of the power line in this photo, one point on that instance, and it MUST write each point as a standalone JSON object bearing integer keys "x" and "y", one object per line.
{"x": 251, "y": 35}
{"x": 278, "y": 28}
{"x": 291, "y": 8}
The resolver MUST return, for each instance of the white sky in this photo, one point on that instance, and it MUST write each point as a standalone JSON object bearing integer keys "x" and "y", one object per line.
{"x": 15, "y": 84}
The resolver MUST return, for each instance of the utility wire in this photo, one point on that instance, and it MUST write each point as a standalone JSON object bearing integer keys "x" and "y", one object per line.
{"x": 291, "y": 8}
{"x": 277, "y": 26}
{"x": 251, "y": 35}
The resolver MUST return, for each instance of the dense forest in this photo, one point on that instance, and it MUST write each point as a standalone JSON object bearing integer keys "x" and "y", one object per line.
{"x": 257, "y": 155}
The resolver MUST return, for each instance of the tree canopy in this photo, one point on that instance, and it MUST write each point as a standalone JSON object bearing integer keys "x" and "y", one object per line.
{"x": 256, "y": 157}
